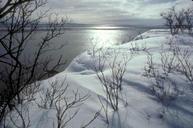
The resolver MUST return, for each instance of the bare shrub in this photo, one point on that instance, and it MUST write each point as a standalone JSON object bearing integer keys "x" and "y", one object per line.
{"x": 173, "y": 64}
{"x": 112, "y": 85}
{"x": 186, "y": 67}
{"x": 169, "y": 62}
{"x": 136, "y": 49}
{"x": 150, "y": 67}
{"x": 163, "y": 87}
{"x": 105, "y": 109}
{"x": 92, "y": 119}
{"x": 94, "y": 48}
{"x": 49, "y": 96}
{"x": 64, "y": 104}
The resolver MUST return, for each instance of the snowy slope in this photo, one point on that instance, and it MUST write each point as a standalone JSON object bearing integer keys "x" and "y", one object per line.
{"x": 138, "y": 107}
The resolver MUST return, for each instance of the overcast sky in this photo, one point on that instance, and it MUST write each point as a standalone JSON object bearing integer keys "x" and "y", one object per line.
{"x": 115, "y": 11}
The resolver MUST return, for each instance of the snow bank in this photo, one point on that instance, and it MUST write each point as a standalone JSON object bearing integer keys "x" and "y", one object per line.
{"x": 139, "y": 108}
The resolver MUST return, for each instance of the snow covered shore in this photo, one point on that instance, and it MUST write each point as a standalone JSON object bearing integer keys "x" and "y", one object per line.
{"x": 139, "y": 107}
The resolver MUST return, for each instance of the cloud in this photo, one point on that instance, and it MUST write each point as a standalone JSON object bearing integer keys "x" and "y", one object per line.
{"x": 114, "y": 11}
{"x": 159, "y": 1}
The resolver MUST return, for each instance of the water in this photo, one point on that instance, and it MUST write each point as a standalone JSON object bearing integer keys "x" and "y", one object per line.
{"x": 75, "y": 41}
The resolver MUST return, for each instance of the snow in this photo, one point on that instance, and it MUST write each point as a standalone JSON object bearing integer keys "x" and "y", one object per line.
{"x": 138, "y": 107}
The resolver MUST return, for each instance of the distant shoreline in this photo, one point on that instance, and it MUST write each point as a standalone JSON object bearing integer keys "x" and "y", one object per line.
{"x": 44, "y": 28}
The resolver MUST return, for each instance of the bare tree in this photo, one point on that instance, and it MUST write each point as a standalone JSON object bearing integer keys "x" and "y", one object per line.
{"x": 19, "y": 118}
{"x": 28, "y": 93}
{"x": 169, "y": 18}
{"x": 178, "y": 20}
{"x": 189, "y": 20}
{"x": 20, "y": 19}
{"x": 9, "y": 5}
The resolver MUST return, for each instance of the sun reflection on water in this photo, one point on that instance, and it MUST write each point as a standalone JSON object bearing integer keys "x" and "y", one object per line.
{"x": 104, "y": 38}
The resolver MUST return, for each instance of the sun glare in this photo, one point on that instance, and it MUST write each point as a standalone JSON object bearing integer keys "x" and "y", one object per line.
{"x": 104, "y": 38}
